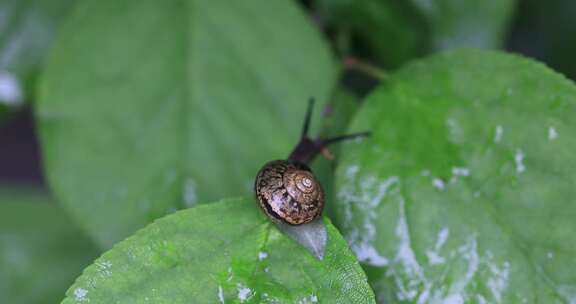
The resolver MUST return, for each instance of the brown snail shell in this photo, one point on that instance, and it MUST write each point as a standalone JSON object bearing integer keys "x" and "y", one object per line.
{"x": 288, "y": 192}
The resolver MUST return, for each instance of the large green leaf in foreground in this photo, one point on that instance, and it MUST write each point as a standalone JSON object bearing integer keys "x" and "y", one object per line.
{"x": 41, "y": 251}
{"x": 465, "y": 192}
{"x": 150, "y": 106}
{"x": 225, "y": 252}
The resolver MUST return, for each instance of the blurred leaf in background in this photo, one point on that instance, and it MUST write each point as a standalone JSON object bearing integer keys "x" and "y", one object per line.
{"x": 393, "y": 31}
{"x": 225, "y": 252}
{"x": 455, "y": 23}
{"x": 335, "y": 119}
{"x": 546, "y": 30}
{"x": 27, "y": 29}
{"x": 151, "y": 106}
{"x": 41, "y": 250}
{"x": 397, "y": 31}
{"x": 465, "y": 192}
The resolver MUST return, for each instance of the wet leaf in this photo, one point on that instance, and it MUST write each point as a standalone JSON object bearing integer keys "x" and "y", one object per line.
{"x": 465, "y": 191}
{"x": 225, "y": 252}
{"x": 41, "y": 250}
{"x": 151, "y": 106}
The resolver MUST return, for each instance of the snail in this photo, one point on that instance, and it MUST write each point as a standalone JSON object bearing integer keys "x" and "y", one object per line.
{"x": 287, "y": 190}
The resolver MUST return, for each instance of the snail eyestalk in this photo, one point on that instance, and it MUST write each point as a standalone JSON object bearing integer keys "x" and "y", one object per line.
{"x": 307, "y": 149}
{"x": 307, "y": 118}
{"x": 332, "y": 140}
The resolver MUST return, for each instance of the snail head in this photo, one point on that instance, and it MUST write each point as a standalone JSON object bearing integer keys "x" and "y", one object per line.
{"x": 307, "y": 148}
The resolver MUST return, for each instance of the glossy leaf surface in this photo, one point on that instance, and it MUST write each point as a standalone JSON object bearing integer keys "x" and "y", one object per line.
{"x": 226, "y": 252}
{"x": 465, "y": 192}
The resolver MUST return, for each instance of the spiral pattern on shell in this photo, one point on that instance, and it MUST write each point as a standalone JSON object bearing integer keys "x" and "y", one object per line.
{"x": 289, "y": 192}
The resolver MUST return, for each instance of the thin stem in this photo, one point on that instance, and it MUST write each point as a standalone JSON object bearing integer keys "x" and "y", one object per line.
{"x": 366, "y": 68}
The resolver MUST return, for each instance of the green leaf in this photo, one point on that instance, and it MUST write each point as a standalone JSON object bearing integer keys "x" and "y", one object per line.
{"x": 392, "y": 29}
{"x": 150, "y": 106}
{"x": 338, "y": 112}
{"x": 27, "y": 30}
{"x": 465, "y": 191}
{"x": 455, "y": 23}
{"x": 336, "y": 117}
{"x": 225, "y": 252}
{"x": 41, "y": 251}
{"x": 398, "y": 31}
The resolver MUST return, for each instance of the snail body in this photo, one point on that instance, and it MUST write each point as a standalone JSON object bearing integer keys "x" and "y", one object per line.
{"x": 288, "y": 192}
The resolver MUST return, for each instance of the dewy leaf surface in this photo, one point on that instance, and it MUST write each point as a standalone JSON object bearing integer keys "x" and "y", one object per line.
{"x": 150, "y": 106}
{"x": 465, "y": 191}
{"x": 41, "y": 251}
{"x": 225, "y": 252}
